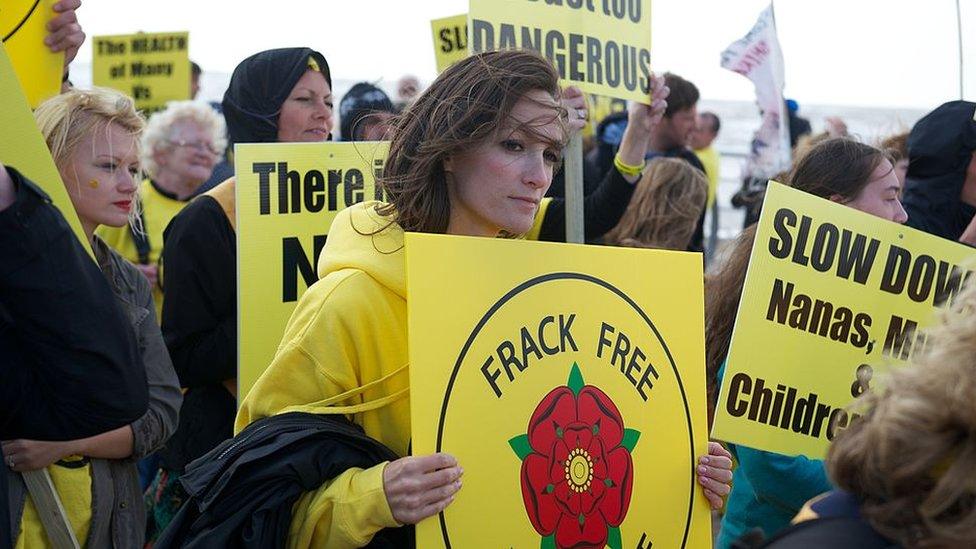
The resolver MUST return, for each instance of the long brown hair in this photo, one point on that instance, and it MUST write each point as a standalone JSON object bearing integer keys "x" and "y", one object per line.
{"x": 665, "y": 207}
{"x": 910, "y": 458}
{"x": 723, "y": 289}
{"x": 839, "y": 166}
{"x": 466, "y": 105}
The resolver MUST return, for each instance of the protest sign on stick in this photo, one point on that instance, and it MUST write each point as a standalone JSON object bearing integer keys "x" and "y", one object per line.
{"x": 450, "y": 40}
{"x": 22, "y": 146}
{"x": 287, "y": 196}
{"x": 833, "y": 298}
{"x": 569, "y": 377}
{"x": 603, "y": 48}
{"x": 23, "y": 29}
{"x": 152, "y": 68}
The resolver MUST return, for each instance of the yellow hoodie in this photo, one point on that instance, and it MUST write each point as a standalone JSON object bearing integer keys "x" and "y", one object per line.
{"x": 344, "y": 351}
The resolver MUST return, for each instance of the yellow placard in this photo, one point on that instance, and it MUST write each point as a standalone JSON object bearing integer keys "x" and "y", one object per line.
{"x": 602, "y": 47}
{"x": 152, "y": 68}
{"x": 287, "y": 196}
{"x": 450, "y": 40}
{"x": 832, "y": 300}
{"x": 22, "y": 28}
{"x": 22, "y": 146}
{"x": 601, "y": 107}
{"x": 568, "y": 381}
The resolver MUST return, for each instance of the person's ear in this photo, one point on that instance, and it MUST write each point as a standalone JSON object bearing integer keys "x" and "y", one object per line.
{"x": 448, "y": 163}
{"x": 836, "y": 198}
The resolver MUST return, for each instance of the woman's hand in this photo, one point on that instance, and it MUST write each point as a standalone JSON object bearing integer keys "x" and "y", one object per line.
{"x": 715, "y": 474}
{"x": 64, "y": 32}
{"x": 422, "y": 486}
{"x": 641, "y": 121}
{"x": 150, "y": 271}
{"x": 574, "y": 102}
{"x": 31, "y": 455}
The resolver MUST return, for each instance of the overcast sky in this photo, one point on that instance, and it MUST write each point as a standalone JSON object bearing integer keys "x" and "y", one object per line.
{"x": 843, "y": 52}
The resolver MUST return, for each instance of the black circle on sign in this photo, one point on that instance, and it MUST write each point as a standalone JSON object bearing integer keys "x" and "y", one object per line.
{"x": 606, "y": 285}
{"x": 22, "y": 21}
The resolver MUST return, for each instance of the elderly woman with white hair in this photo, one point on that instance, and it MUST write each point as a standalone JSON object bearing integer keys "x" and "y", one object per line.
{"x": 180, "y": 147}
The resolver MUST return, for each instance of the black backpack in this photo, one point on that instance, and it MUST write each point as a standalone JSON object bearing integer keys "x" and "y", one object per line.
{"x": 833, "y": 532}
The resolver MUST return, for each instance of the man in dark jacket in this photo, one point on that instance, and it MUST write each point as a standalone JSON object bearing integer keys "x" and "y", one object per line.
{"x": 940, "y": 188}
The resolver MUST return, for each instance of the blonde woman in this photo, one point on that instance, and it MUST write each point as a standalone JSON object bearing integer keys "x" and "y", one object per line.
{"x": 665, "y": 208}
{"x": 94, "y": 139}
{"x": 180, "y": 147}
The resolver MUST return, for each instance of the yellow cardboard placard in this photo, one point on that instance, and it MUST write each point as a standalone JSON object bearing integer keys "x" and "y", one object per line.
{"x": 602, "y": 47}
{"x": 832, "y": 300}
{"x": 22, "y": 29}
{"x": 287, "y": 196}
{"x": 601, "y": 107}
{"x": 22, "y": 146}
{"x": 152, "y": 68}
{"x": 559, "y": 375}
{"x": 450, "y": 40}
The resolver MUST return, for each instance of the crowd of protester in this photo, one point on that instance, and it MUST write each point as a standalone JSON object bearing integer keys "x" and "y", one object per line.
{"x": 120, "y": 382}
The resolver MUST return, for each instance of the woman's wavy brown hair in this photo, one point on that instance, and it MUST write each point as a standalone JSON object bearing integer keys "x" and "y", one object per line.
{"x": 466, "y": 105}
{"x": 665, "y": 207}
{"x": 911, "y": 458}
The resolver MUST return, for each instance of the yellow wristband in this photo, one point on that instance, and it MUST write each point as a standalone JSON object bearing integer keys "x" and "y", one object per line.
{"x": 626, "y": 169}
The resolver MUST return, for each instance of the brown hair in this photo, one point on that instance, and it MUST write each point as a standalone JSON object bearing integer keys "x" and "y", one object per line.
{"x": 723, "y": 289}
{"x": 910, "y": 458}
{"x": 684, "y": 94}
{"x": 837, "y": 166}
{"x": 463, "y": 107}
{"x": 896, "y": 146}
{"x": 665, "y": 207}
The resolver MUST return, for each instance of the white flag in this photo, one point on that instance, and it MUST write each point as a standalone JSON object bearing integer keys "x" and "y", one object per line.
{"x": 758, "y": 57}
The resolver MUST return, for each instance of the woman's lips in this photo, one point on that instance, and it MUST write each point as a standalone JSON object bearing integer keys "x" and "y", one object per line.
{"x": 124, "y": 205}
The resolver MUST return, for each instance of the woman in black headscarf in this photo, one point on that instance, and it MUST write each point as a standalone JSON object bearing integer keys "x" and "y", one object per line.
{"x": 281, "y": 95}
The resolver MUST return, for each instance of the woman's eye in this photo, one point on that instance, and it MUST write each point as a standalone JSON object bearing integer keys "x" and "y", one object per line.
{"x": 512, "y": 145}
{"x": 108, "y": 166}
{"x": 329, "y": 104}
{"x": 134, "y": 172}
{"x": 552, "y": 157}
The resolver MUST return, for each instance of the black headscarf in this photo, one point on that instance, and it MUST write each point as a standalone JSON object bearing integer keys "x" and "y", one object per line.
{"x": 360, "y": 101}
{"x": 259, "y": 86}
{"x": 940, "y": 148}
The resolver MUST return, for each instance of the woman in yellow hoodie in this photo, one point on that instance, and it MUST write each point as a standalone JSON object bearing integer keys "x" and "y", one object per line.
{"x": 472, "y": 156}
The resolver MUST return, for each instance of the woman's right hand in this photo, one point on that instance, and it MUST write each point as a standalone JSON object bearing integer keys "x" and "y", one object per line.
{"x": 418, "y": 487}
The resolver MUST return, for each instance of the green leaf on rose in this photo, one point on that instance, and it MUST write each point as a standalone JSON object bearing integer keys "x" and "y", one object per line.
{"x": 548, "y": 542}
{"x": 521, "y": 446}
{"x": 614, "y": 541}
{"x": 575, "y": 382}
{"x": 630, "y": 439}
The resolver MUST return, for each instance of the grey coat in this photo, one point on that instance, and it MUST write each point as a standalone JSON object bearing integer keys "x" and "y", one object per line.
{"x": 118, "y": 512}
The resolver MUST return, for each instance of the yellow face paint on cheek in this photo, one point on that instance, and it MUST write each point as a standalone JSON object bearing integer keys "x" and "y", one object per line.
{"x": 93, "y": 183}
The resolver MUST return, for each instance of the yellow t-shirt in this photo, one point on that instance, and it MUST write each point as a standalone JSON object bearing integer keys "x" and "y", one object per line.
{"x": 710, "y": 159}
{"x": 73, "y": 483}
{"x": 157, "y": 211}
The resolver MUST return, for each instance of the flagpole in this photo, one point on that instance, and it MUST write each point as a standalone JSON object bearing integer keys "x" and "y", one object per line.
{"x": 959, "y": 34}
{"x": 786, "y": 155}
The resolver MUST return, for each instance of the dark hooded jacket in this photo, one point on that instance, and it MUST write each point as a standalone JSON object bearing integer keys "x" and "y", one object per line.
{"x": 361, "y": 101}
{"x": 242, "y": 492}
{"x": 199, "y": 317}
{"x": 940, "y": 148}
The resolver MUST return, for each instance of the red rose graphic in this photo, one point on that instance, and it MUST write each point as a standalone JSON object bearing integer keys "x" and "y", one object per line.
{"x": 577, "y": 472}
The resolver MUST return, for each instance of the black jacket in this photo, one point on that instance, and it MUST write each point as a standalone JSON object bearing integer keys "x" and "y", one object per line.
{"x": 241, "y": 494}
{"x": 940, "y": 148}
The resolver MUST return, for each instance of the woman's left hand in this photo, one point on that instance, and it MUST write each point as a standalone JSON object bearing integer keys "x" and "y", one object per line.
{"x": 31, "y": 455}
{"x": 577, "y": 112}
{"x": 715, "y": 474}
{"x": 64, "y": 31}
